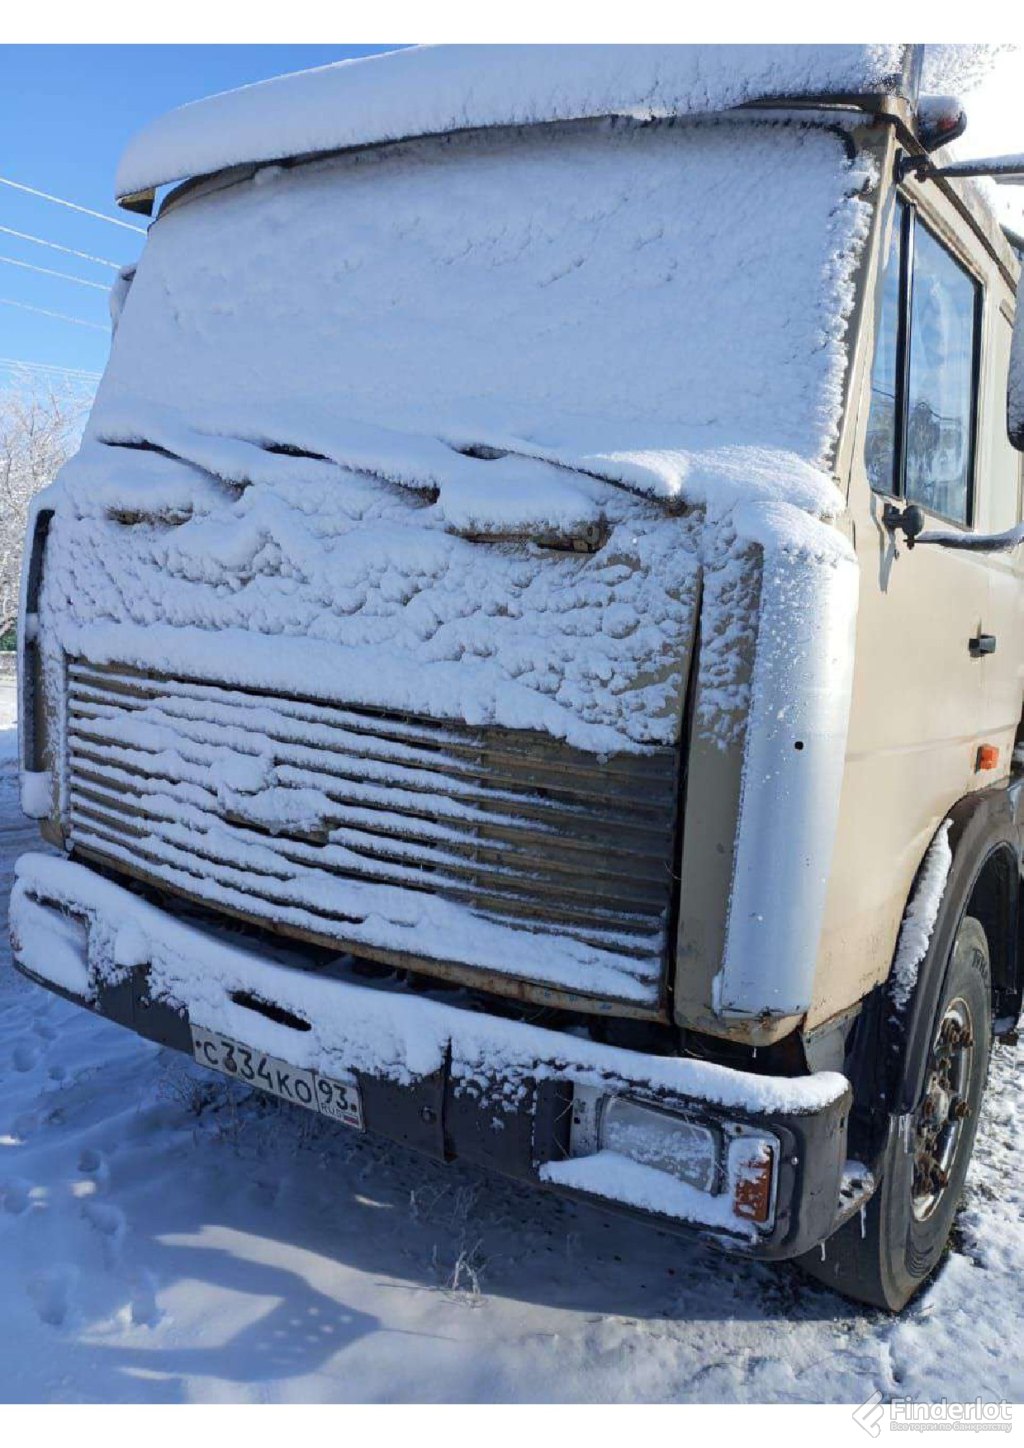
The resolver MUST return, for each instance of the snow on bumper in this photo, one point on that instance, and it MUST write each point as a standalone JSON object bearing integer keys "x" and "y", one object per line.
{"x": 448, "y": 1080}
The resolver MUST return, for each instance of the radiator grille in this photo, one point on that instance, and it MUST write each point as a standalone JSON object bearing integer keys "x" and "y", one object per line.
{"x": 299, "y": 814}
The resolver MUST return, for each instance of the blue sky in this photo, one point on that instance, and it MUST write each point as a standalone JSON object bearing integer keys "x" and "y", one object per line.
{"x": 66, "y": 112}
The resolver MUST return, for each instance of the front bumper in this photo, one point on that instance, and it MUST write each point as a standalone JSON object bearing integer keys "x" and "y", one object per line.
{"x": 449, "y": 1081}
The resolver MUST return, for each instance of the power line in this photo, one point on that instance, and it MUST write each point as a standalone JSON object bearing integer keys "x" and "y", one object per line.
{"x": 60, "y": 316}
{"x": 56, "y": 246}
{"x": 46, "y": 366}
{"x": 24, "y": 378}
{"x": 72, "y": 205}
{"x": 49, "y": 272}
{"x": 13, "y": 364}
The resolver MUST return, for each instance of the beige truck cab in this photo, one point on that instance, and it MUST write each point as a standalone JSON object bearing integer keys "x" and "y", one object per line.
{"x": 528, "y": 659}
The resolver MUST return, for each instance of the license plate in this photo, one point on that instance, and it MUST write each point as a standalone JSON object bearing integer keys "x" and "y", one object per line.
{"x": 340, "y": 1100}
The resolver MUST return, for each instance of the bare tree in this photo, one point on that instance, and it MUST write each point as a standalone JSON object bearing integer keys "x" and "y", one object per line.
{"x": 40, "y": 423}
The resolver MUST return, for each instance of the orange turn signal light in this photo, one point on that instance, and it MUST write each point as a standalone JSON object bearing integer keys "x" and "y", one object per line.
{"x": 988, "y": 757}
{"x": 754, "y": 1171}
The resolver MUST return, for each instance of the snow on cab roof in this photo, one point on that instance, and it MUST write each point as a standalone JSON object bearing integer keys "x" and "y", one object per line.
{"x": 430, "y": 90}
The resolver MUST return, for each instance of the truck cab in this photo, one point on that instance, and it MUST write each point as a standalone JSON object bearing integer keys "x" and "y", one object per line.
{"x": 527, "y": 658}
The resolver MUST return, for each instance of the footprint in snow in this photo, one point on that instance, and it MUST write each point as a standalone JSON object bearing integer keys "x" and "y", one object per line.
{"x": 143, "y": 1305}
{"x": 25, "y": 1056}
{"x": 50, "y": 1291}
{"x": 111, "y": 1232}
{"x": 109, "y": 1221}
{"x": 15, "y": 1195}
{"x": 92, "y": 1161}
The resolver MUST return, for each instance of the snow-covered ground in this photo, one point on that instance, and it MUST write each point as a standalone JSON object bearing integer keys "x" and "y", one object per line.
{"x": 166, "y": 1237}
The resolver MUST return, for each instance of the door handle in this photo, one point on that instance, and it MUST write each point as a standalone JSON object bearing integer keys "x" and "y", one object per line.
{"x": 982, "y": 644}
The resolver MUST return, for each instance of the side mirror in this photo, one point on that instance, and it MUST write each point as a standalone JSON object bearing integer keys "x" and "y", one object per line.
{"x": 909, "y": 520}
{"x": 940, "y": 120}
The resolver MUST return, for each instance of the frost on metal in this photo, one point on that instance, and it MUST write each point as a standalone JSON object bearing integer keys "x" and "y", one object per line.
{"x": 82, "y": 931}
{"x": 359, "y": 413}
{"x": 792, "y": 777}
{"x": 920, "y": 916}
{"x": 596, "y": 319}
{"x": 431, "y": 90}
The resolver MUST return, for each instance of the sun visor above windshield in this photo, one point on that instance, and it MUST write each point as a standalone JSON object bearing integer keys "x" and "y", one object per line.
{"x": 431, "y": 90}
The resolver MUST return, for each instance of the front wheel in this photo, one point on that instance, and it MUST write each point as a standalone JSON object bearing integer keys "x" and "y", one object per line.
{"x": 885, "y": 1254}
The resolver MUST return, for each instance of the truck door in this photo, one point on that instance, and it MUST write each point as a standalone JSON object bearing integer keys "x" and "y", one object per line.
{"x": 925, "y": 697}
{"x": 921, "y": 446}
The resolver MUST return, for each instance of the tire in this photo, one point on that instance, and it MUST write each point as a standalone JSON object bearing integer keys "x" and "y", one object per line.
{"x": 884, "y": 1255}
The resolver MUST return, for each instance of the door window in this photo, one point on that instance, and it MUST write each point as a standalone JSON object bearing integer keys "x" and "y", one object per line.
{"x": 921, "y": 426}
{"x": 940, "y": 394}
{"x": 880, "y": 448}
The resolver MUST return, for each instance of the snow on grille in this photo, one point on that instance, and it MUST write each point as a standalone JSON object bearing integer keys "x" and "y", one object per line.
{"x": 493, "y": 849}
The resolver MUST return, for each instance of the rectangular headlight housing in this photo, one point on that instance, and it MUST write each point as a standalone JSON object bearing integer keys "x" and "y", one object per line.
{"x": 726, "y": 1159}
{"x": 682, "y": 1148}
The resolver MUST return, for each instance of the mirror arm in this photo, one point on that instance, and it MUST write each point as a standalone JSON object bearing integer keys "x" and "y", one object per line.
{"x": 977, "y": 542}
{"x": 910, "y": 522}
{"x": 1008, "y": 169}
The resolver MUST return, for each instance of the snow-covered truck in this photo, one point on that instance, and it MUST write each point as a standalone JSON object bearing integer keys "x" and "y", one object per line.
{"x": 528, "y": 658}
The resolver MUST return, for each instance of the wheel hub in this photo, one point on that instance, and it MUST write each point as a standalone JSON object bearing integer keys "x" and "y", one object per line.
{"x": 944, "y": 1107}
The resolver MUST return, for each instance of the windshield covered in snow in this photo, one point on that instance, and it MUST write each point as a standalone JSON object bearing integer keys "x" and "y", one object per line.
{"x": 602, "y": 286}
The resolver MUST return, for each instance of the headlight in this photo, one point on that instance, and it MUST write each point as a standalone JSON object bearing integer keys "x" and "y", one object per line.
{"x": 654, "y": 1138}
{"x": 731, "y": 1161}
